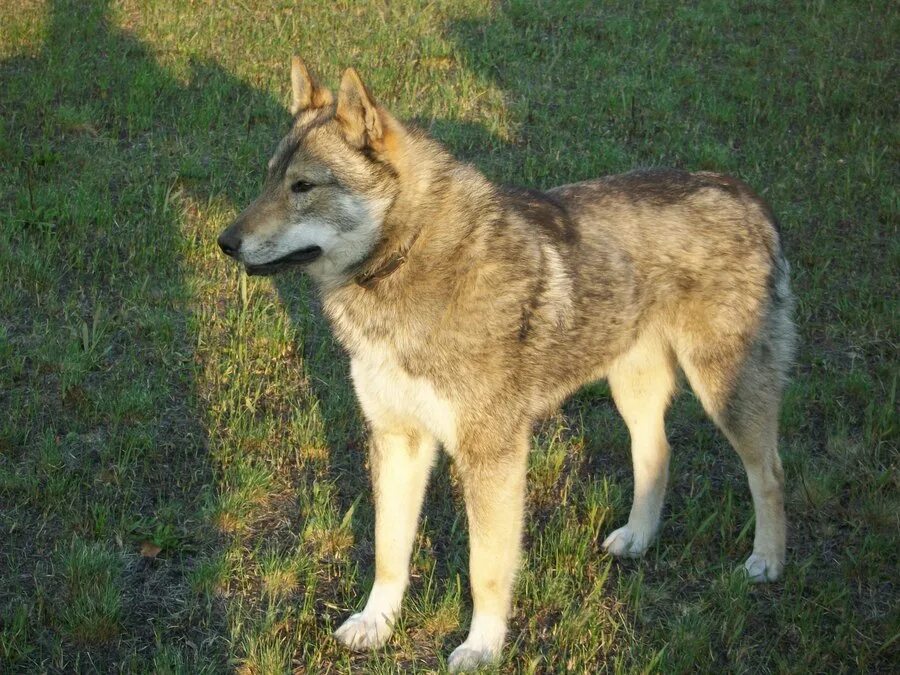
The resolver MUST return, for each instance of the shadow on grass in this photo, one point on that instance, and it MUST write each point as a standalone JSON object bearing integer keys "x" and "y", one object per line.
{"x": 106, "y": 444}
{"x": 102, "y": 317}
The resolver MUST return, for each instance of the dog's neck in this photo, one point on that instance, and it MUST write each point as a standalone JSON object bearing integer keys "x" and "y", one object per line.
{"x": 385, "y": 266}
{"x": 403, "y": 219}
{"x": 415, "y": 227}
{"x": 416, "y": 272}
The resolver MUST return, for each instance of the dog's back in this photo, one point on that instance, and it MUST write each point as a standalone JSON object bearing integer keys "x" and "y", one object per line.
{"x": 691, "y": 259}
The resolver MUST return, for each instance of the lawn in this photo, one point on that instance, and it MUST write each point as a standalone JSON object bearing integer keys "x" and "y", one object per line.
{"x": 183, "y": 484}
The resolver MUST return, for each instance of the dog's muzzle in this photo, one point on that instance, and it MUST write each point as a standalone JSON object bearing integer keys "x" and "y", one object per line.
{"x": 230, "y": 243}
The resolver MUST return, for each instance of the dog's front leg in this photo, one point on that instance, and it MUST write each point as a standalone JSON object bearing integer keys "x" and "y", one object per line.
{"x": 400, "y": 462}
{"x": 494, "y": 488}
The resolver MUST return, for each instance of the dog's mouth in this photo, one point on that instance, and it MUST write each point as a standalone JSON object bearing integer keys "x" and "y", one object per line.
{"x": 299, "y": 257}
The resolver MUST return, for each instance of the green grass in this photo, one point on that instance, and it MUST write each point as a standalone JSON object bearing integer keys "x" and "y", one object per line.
{"x": 151, "y": 393}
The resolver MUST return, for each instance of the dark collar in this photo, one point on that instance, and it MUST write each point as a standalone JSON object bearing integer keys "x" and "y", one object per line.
{"x": 368, "y": 279}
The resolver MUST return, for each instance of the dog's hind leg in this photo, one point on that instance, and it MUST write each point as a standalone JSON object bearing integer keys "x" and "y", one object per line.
{"x": 401, "y": 462}
{"x": 493, "y": 478}
{"x": 739, "y": 380}
{"x": 642, "y": 382}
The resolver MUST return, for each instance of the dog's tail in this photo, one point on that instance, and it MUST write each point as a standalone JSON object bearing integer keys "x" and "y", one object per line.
{"x": 780, "y": 322}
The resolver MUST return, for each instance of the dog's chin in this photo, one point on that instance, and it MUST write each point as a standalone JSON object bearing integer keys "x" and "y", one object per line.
{"x": 297, "y": 258}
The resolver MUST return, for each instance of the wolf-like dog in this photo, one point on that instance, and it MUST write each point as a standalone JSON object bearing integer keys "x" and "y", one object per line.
{"x": 470, "y": 310}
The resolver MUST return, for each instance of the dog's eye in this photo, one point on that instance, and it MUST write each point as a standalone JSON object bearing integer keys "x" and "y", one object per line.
{"x": 301, "y": 186}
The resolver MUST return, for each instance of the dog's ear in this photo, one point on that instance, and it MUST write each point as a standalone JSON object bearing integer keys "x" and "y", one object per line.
{"x": 306, "y": 93}
{"x": 361, "y": 120}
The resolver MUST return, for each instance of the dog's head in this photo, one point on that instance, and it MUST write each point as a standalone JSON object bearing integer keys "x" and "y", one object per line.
{"x": 328, "y": 185}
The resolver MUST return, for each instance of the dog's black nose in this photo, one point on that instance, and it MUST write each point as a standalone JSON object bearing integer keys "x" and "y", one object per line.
{"x": 229, "y": 243}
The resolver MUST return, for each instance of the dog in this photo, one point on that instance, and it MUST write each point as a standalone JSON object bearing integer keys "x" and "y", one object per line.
{"x": 470, "y": 310}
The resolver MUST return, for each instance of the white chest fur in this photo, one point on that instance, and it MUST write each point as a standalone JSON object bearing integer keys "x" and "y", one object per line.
{"x": 392, "y": 399}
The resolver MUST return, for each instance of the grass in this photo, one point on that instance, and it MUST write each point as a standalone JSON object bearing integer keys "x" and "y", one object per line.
{"x": 152, "y": 397}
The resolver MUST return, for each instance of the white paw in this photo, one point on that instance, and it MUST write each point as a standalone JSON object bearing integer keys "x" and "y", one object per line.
{"x": 466, "y": 657}
{"x": 626, "y": 542}
{"x": 482, "y": 646}
{"x": 362, "y": 632}
{"x": 761, "y": 569}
